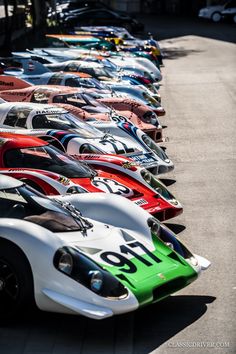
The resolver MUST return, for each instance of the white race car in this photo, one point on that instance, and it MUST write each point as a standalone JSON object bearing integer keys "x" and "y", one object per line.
{"x": 78, "y": 136}
{"x": 111, "y": 259}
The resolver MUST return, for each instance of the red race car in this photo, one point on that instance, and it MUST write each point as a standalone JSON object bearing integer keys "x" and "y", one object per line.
{"x": 25, "y": 157}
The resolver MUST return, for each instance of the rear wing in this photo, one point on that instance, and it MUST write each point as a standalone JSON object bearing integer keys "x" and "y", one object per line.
{"x": 12, "y": 83}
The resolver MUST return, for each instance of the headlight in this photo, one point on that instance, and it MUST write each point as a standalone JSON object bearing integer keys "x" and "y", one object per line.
{"x": 75, "y": 190}
{"x": 170, "y": 240}
{"x": 96, "y": 280}
{"x": 173, "y": 202}
{"x": 154, "y": 225}
{"x": 170, "y": 245}
{"x": 146, "y": 176}
{"x": 85, "y": 271}
{"x": 65, "y": 263}
{"x": 151, "y": 117}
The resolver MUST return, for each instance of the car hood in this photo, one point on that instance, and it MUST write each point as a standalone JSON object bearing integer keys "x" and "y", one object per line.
{"x": 153, "y": 263}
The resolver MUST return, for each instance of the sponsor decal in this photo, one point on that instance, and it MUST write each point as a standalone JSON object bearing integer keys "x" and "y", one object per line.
{"x": 3, "y": 83}
{"x": 128, "y": 165}
{"x": 144, "y": 158}
{"x": 140, "y": 202}
{"x": 63, "y": 180}
{"x": 161, "y": 276}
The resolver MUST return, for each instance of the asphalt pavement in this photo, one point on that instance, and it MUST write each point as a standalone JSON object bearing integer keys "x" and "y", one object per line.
{"x": 198, "y": 93}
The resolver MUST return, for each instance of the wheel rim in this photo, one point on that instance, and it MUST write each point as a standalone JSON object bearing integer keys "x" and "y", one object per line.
{"x": 216, "y": 17}
{"x": 9, "y": 286}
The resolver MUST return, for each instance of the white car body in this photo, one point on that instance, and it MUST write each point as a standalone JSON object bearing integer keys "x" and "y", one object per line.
{"x": 113, "y": 220}
{"x": 76, "y": 139}
{"x": 138, "y": 65}
{"x": 120, "y": 126}
{"x": 213, "y": 12}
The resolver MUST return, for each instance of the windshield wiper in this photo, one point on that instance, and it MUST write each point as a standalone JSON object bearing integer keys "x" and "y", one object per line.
{"x": 76, "y": 215}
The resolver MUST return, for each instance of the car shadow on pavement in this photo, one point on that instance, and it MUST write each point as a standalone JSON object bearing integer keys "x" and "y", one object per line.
{"x": 138, "y": 332}
{"x": 167, "y": 181}
{"x": 175, "y": 53}
{"x": 176, "y": 228}
{"x": 157, "y": 324}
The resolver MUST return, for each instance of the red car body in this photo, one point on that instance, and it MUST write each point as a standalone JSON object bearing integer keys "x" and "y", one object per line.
{"x": 21, "y": 154}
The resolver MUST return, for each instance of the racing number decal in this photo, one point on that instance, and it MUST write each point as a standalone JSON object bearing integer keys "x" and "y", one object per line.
{"x": 111, "y": 186}
{"x": 124, "y": 263}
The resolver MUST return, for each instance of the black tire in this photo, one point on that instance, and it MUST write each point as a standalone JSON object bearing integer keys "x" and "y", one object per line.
{"x": 16, "y": 282}
{"x": 216, "y": 17}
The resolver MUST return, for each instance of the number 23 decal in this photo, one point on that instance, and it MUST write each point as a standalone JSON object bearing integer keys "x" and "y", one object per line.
{"x": 125, "y": 265}
{"x": 111, "y": 186}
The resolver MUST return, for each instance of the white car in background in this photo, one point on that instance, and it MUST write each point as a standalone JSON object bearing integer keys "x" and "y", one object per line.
{"x": 214, "y": 12}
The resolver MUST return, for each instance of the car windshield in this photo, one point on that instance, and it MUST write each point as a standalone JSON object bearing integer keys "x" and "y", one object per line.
{"x": 27, "y": 204}
{"x": 92, "y": 98}
{"x": 65, "y": 121}
{"x": 47, "y": 158}
{"x": 101, "y": 71}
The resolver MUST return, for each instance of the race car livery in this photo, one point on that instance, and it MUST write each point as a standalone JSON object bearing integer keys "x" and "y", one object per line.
{"x": 96, "y": 267}
{"x": 25, "y": 157}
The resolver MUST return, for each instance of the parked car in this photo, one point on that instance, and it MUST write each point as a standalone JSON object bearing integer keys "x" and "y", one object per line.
{"x": 214, "y": 12}
{"x": 229, "y": 14}
{"x": 29, "y": 158}
{"x": 100, "y": 17}
{"x": 69, "y": 254}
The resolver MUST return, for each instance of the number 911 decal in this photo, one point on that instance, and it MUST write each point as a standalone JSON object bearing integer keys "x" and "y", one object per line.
{"x": 108, "y": 185}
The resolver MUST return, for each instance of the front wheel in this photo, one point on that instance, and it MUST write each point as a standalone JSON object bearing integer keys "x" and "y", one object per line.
{"x": 216, "y": 17}
{"x": 16, "y": 281}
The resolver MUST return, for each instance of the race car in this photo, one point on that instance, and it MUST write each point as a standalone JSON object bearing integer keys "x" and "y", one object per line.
{"x": 111, "y": 259}
{"x": 116, "y": 125}
{"x": 79, "y": 137}
{"x": 27, "y": 157}
{"x": 14, "y": 89}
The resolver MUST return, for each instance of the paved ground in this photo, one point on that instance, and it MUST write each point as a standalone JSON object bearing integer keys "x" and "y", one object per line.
{"x": 199, "y": 95}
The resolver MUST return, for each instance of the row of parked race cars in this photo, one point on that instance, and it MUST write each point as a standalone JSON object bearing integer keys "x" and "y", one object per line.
{"x": 81, "y": 202}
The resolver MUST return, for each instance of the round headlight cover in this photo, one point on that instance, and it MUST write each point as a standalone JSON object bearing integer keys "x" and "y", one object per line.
{"x": 65, "y": 263}
{"x": 146, "y": 176}
{"x": 96, "y": 281}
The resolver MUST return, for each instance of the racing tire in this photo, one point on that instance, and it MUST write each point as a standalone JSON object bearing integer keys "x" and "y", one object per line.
{"x": 234, "y": 19}
{"x": 216, "y": 17}
{"x": 16, "y": 282}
